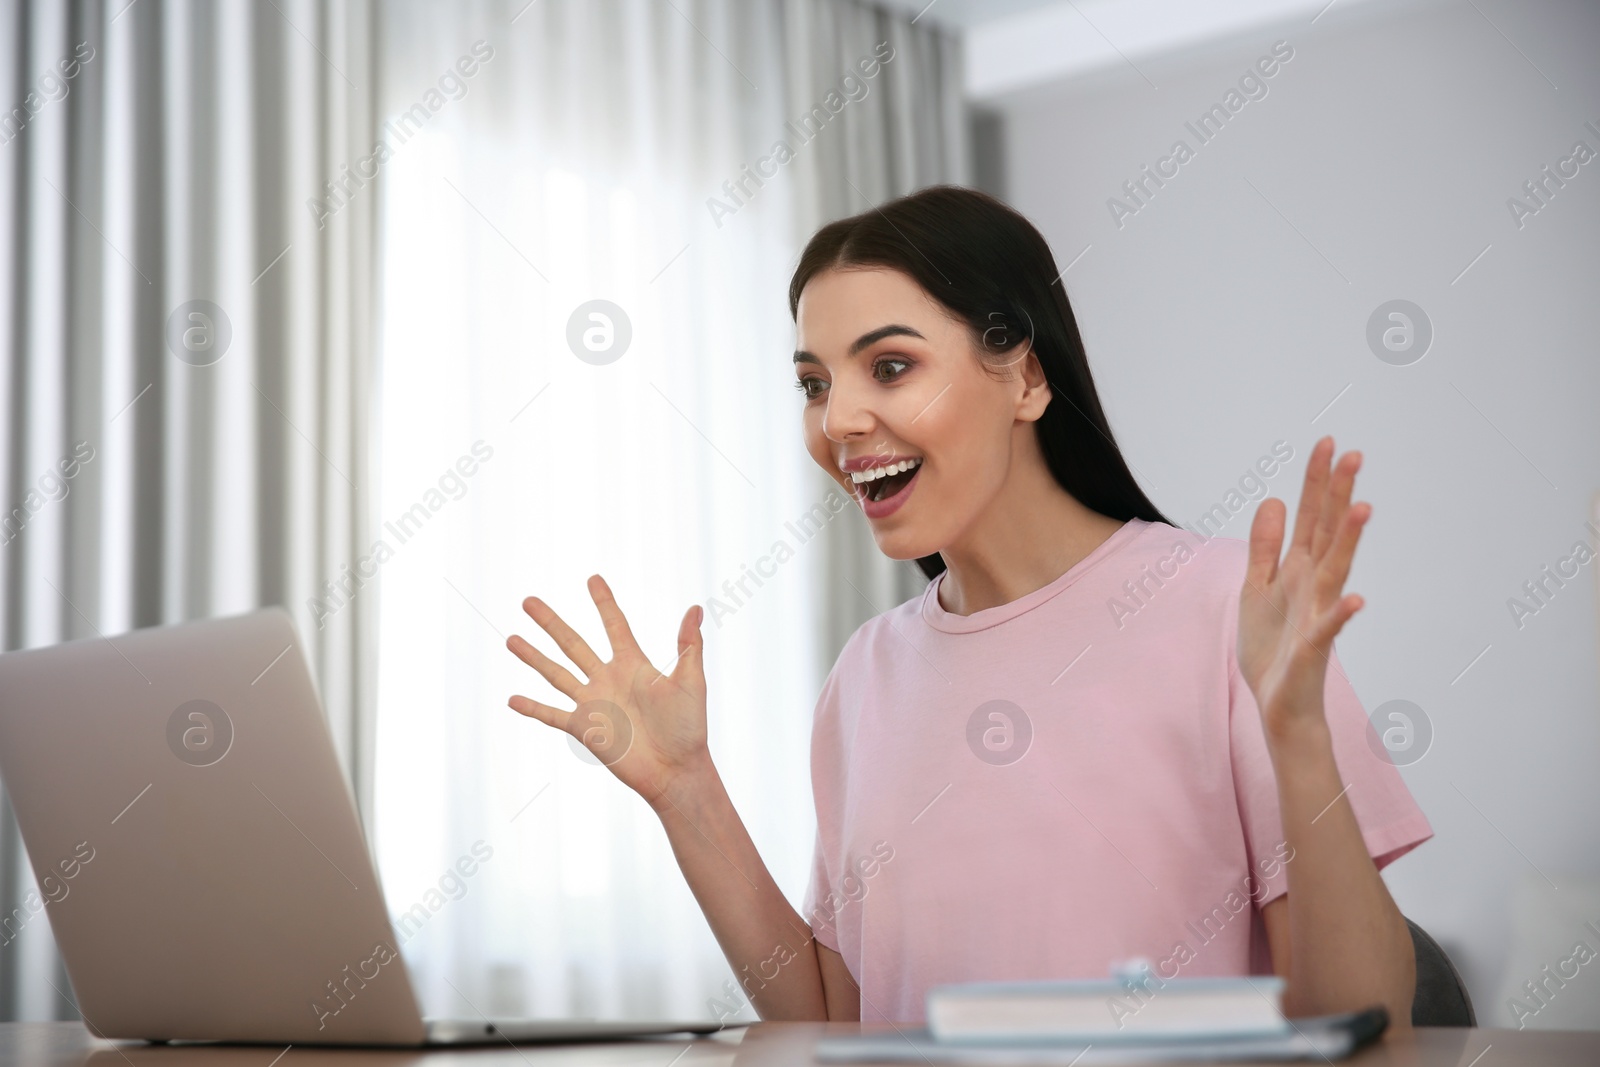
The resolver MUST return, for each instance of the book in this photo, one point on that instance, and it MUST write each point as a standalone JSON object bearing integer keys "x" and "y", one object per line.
{"x": 1323, "y": 1040}
{"x": 1136, "y": 1004}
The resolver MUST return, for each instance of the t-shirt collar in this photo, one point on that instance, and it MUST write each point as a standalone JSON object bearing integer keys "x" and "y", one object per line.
{"x": 934, "y": 614}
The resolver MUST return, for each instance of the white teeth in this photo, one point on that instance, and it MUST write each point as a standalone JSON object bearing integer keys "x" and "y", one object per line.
{"x": 883, "y": 472}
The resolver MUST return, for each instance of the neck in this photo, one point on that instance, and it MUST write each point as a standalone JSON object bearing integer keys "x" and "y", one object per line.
{"x": 1029, "y": 535}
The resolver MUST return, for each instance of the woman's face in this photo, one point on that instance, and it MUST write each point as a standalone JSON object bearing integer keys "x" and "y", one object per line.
{"x": 891, "y": 379}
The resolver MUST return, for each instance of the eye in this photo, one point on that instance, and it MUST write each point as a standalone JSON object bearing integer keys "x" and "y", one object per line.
{"x": 888, "y": 361}
{"x": 805, "y": 384}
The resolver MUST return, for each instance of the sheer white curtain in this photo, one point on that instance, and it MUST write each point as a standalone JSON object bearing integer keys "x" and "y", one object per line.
{"x": 557, "y": 154}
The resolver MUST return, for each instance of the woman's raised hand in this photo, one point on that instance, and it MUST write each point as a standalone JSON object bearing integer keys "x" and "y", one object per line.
{"x": 1290, "y": 611}
{"x": 648, "y": 727}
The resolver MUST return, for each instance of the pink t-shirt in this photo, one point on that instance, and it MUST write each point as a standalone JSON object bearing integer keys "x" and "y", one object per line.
{"x": 1076, "y": 778}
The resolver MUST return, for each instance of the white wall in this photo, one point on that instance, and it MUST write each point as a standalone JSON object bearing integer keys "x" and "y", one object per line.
{"x": 1230, "y": 311}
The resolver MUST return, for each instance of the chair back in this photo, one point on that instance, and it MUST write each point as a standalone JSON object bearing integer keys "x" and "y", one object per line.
{"x": 1441, "y": 998}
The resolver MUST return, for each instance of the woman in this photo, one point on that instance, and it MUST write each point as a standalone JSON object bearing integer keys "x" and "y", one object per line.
{"x": 1095, "y": 736}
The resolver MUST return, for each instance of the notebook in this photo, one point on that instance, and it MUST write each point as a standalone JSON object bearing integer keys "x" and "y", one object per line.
{"x": 1135, "y": 1003}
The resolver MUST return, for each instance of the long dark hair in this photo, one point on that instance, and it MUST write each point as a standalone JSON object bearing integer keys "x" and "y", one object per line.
{"x": 991, "y": 268}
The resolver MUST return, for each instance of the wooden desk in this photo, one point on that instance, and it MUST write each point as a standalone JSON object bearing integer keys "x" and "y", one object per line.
{"x": 763, "y": 1045}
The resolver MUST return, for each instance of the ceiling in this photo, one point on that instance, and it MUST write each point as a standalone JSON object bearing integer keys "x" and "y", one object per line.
{"x": 962, "y": 14}
{"x": 1013, "y": 44}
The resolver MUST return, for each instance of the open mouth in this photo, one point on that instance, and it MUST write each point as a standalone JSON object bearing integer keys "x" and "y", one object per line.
{"x": 890, "y": 485}
{"x": 885, "y": 483}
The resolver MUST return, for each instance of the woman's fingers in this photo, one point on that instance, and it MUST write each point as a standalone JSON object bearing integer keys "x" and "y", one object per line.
{"x": 1311, "y": 496}
{"x": 1266, "y": 544}
{"x": 543, "y": 712}
{"x": 553, "y": 672}
{"x": 1336, "y": 503}
{"x": 691, "y": 645}
{"x": 565, "y": 637}
{"x": 1334, "y": 568}
{"x": 617, "y": 630}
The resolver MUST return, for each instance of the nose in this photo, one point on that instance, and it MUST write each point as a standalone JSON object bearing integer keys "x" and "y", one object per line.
{"x": 844, "y": 416}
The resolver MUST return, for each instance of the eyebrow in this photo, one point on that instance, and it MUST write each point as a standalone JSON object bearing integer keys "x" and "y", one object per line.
{"x": 866, "y": 340}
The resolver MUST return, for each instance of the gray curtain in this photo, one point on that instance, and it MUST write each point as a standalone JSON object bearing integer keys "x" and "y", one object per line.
{"x": 156, "y": 163}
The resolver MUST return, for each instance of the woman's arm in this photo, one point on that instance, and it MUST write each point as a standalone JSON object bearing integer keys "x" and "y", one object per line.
{"x": 649, "y": 728}
{"x": 1337, "y": 936}
{"x": 770, "y": 948}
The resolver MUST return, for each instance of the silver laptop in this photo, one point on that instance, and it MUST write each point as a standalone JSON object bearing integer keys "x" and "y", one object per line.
{"x": 198, "y": 850}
